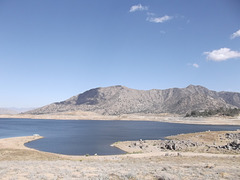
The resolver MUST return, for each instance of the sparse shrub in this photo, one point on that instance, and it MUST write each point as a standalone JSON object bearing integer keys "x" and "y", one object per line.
{"x": 212, "y": 112}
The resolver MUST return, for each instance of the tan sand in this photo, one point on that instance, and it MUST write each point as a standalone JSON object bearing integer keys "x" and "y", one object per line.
{"x": 17, "y": 142}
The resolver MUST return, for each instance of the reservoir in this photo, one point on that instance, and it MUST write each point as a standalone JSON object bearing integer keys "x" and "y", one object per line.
{"x": 81, "y": 137}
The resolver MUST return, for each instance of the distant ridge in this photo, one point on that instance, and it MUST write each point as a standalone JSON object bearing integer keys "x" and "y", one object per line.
{"x": 117, "y": 100}
{"x": 13, "y": 110}
{"x": 7, "y": 111}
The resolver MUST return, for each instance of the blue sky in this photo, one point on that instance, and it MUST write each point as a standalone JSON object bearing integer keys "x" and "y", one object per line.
{"x": 52, "y": 50}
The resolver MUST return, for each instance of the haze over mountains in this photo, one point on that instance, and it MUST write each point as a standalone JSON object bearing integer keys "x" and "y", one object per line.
{"x": 13, "y": 110}
{"x": 117, "y": 100}
{"x": 7, "y": 111}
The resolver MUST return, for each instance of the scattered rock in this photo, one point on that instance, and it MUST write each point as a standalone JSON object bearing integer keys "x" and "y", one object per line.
{"x": 235, "y": 142}
{"x": 232, "y": 145}
{"x": 233, "y": 136}
{"x": 235, "y": 145}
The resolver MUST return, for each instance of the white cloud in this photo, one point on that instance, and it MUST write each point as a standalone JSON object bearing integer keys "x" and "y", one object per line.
{"x": 159, "y": 19}
{"x": 138, "y": 7}
{"x": 222, "y": 54}
{"x": 236, "y": 34}
{"x": 195, "y": 65}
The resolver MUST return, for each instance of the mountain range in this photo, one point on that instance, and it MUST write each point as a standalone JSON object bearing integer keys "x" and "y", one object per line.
{"x": 118, "y": 100}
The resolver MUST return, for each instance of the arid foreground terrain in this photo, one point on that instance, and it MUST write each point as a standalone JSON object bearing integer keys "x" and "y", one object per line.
{"x": 206, "y": 155}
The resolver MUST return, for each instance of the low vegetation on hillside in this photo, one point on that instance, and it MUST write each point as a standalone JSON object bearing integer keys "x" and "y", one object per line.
{"x": 212, "y": 112}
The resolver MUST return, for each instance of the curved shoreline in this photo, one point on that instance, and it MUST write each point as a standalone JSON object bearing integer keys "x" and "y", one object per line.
{"x": 18, "y": 143}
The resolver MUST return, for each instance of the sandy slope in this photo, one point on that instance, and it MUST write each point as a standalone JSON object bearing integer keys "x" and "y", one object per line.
{"x": 20, "y": 162}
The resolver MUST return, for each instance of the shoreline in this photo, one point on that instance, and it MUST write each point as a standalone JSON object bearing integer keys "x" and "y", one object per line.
{"x": 26, "y": 163}
{"x": 134, "y": 117}
{"x": 18, "y": 143}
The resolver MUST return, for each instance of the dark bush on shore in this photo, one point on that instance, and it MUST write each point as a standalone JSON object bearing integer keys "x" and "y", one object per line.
{"x": 212, "y": 112}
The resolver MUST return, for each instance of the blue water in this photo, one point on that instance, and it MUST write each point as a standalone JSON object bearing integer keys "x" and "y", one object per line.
{"x": 89, "y": 137}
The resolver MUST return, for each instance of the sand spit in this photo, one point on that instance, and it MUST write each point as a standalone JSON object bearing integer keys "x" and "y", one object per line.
{"x": 18, "y": 142}
{"x": 20, "y": 162}
{"x": 13, "y": 149}
{"x": 164, "y": 117}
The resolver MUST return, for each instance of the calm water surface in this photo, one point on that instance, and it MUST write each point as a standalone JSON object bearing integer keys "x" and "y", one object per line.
{"x": 89, "y": 137}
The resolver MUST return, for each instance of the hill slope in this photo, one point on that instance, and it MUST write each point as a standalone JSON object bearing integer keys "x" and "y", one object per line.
{"x": 116, "y": 100}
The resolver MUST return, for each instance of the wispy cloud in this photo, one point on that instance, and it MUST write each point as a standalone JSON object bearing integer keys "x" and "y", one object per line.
{"x": 151, "y": 17}
{"x": 138, "y": 7}
{"x": 159, "y": 19}
{"x": 195, "y": 65}
{"x": 222, "y": 54}
{"x": 235, "y": 35}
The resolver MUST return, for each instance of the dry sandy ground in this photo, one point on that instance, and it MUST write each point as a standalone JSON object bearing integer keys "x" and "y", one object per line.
{"x": 82, "y": 115}
{"x": 20, "y": 162}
